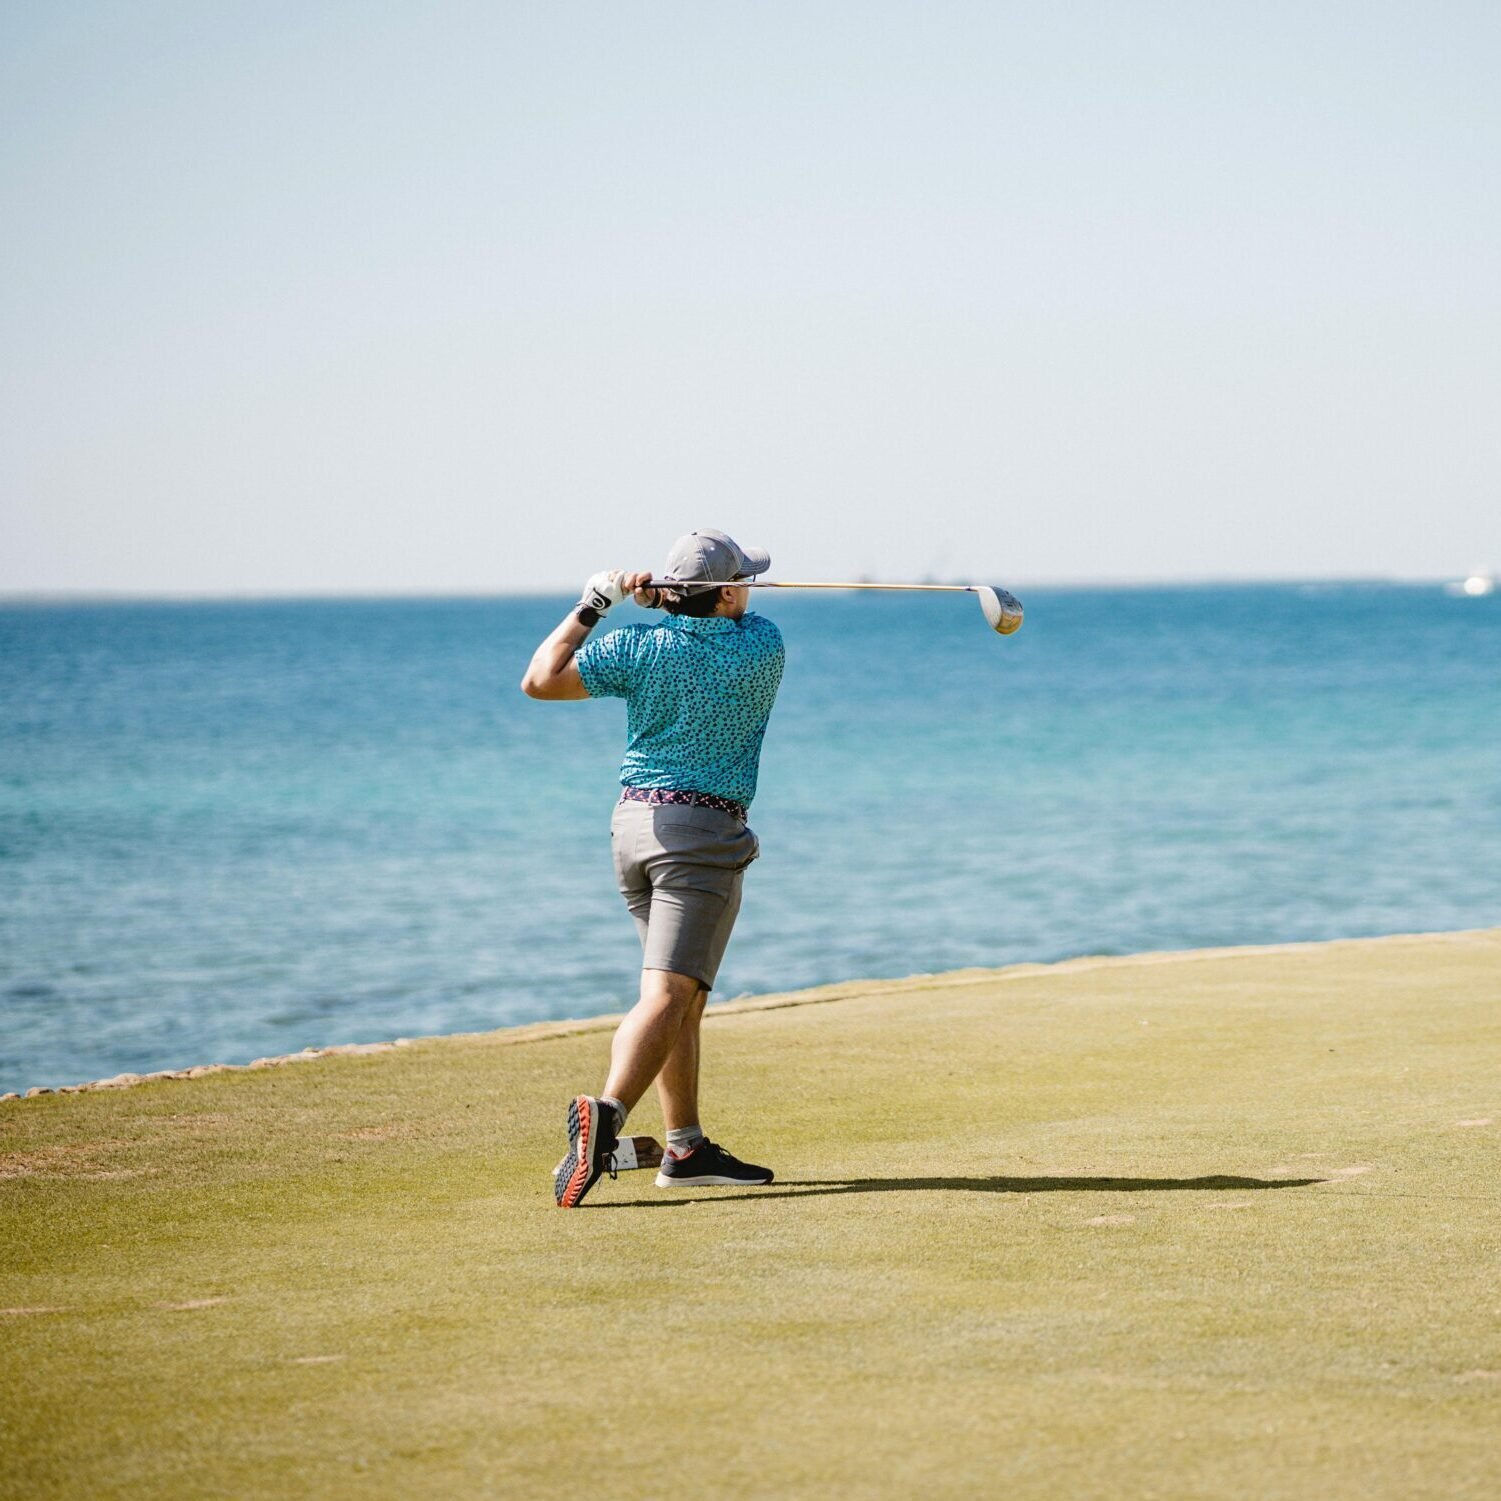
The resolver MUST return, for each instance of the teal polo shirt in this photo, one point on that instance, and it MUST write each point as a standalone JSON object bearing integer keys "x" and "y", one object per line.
{"x": 698, "y": 694}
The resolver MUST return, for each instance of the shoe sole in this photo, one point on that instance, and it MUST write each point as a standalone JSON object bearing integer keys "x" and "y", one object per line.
{"x": 663, "y": 1181}
{"x": 576, "y": 1176}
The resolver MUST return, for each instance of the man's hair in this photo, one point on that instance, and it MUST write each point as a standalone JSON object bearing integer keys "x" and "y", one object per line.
{"x": 700, "y": 603}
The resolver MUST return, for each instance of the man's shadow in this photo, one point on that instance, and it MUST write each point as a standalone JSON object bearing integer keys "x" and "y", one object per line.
{"x": 808, "y": 1188}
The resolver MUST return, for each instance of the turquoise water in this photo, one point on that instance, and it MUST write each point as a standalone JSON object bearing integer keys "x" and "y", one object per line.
{"x": 244, "y": 828}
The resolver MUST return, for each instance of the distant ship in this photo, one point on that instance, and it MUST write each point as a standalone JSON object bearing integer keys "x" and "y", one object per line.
{"x": 1475, "y": 586}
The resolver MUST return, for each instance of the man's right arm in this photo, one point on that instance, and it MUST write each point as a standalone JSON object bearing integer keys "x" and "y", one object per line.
{"x": 552, "y": 672}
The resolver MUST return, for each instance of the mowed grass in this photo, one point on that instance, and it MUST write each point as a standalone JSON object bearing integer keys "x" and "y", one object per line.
{"x": 1220, "y": 1225}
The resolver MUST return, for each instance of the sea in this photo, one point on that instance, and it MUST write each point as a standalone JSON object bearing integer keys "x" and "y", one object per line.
{"x": 234, "y": 829}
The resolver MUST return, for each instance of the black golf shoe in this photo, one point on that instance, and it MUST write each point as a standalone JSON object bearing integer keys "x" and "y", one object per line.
{"x": 707, "y": 1166}
{"x": 591, "y": 1149}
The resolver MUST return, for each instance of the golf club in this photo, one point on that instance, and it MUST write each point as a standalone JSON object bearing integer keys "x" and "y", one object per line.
{"x": 1003, "y": 610}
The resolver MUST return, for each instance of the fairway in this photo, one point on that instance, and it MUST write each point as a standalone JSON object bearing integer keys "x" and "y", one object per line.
{"x": 1211, "y": 1225}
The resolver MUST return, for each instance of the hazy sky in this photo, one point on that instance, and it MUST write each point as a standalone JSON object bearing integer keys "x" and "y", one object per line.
{"x": 322, "y": 297}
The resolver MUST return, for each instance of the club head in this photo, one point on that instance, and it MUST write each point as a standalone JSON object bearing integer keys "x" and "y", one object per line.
{"x": 1002, "y": 610}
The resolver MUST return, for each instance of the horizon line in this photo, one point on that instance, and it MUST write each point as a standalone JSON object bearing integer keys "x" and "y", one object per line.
{"x": 310, "y": 596}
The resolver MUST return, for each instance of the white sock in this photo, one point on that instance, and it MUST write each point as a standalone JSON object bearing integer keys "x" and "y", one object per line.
{"x": 682, "y": 1139}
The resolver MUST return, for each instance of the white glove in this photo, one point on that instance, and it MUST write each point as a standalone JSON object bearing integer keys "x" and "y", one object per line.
{"x": 603, "y": 590}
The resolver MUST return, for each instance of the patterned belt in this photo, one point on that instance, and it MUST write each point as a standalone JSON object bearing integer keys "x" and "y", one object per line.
{"x": 673, "y": 795}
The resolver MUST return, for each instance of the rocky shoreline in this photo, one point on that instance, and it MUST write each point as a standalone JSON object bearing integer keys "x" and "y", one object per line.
{"x": 198, "y": 1071}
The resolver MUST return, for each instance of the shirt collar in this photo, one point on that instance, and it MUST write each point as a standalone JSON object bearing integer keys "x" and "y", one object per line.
{"x": 706, "y": 624}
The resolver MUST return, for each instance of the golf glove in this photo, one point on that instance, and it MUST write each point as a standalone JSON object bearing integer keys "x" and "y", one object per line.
{"x": 602, "y": 591}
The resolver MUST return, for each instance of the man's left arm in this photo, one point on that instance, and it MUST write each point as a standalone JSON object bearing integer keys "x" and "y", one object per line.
{"x": 552, "y": 672}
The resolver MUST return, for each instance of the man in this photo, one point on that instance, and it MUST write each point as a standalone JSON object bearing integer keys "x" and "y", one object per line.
{"x": 699, "y": 687}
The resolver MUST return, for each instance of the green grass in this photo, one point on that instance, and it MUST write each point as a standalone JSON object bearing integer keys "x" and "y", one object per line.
{"x": 1223, "y": 1225}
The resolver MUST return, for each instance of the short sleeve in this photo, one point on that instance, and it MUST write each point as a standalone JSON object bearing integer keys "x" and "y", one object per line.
{"x": 606, "y": 664}
{"x": 778, "y": 659}
{"x": 775, "y": 651}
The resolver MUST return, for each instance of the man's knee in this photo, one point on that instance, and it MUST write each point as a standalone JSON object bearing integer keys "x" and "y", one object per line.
{"x": 681, "y": 992}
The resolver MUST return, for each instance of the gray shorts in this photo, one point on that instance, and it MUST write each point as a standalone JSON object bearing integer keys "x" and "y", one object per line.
{"x": 679, "y": 868}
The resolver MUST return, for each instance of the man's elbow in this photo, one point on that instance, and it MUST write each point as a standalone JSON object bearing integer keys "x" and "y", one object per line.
{"x": 551, "y": 684}
{"x": 548, "y": 688}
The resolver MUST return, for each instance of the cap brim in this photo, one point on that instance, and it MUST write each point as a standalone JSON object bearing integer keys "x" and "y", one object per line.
{"x": 757, "y": 561}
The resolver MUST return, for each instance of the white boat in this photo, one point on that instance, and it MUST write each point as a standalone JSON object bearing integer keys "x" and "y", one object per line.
{"x": 1476, "y": 586}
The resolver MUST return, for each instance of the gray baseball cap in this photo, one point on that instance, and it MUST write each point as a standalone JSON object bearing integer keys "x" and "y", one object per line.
{"x": 709, "y": 557}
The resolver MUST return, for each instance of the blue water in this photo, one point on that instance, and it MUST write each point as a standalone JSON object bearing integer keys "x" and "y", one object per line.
{"x": 244, "y": 828}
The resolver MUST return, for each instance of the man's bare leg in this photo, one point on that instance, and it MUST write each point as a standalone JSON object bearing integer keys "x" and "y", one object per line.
{"x": 646, "y": 1039}
{"x": 690, "y": 1159}
{"x": 677, "y": 1083}
{"x": 659, "y": 1039}
{"x": 642, "y": 1045}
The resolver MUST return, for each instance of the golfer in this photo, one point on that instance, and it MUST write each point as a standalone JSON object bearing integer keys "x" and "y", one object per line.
{"x": 698, "y": 687}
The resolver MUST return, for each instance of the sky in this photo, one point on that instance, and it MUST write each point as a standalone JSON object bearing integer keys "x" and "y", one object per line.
{"x": 382, "y": 297}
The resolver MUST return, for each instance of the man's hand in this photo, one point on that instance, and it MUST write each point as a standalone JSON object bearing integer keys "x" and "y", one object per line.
{"x": 603, "y": 590}
{"x": 553, "y": 673}
{"x": 606, "y": 589}
{"x": 648, "y": 599}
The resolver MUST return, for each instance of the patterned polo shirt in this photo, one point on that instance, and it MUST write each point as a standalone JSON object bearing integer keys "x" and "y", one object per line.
{"x": 698, "y": 694}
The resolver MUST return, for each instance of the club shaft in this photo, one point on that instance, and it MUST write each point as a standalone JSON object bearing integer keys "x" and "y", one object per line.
{"x": 779, "y": 584}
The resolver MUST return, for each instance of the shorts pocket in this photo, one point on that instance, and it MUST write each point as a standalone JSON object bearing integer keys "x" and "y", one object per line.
{"x": 700, "y": 849}
{"x": 705, "y": 826}
{"x": 755, "y": 850}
